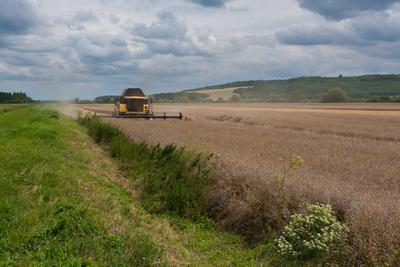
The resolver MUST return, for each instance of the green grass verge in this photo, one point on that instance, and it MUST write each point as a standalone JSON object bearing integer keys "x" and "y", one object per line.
{"x": 64, "y": 202}
{"x": 45, "y": 218}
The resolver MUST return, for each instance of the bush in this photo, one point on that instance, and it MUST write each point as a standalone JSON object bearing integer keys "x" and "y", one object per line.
{"x": 335, "y": 95}
{"x": 316, "y": 235}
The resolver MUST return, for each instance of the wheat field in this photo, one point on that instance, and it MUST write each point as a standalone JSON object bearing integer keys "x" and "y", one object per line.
{"x": 351, "y": 156}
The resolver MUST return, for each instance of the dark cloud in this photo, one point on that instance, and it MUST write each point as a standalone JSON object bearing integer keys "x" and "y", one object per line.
{"x": 78, "y": 20}
{"x": 363, "y": 30}
{"x": 167, "y": 26}
{"x": 17, "y": 16}
{"x": 169, "y": 36}
{"x": 28, "y": 44}
{"x": 85, "y": 16}
{"x": 114, "y": 19}
{"x": 379, "y": 27}
{"x": 316, "y": 35}
{"x": 98, "y": 54}
{"x": 211, "y": 3}
{"x": 341, "y": 9}
{"x": 385, "y": 51}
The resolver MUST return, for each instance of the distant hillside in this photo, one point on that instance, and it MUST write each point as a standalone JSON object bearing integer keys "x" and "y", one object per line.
{"x": 105, "y": 99}
{"x": 374, "y": 88}
{"x": 180, "y": 97}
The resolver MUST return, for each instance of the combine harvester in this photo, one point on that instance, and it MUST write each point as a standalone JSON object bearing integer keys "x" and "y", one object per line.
{"x": 133, "y": 104}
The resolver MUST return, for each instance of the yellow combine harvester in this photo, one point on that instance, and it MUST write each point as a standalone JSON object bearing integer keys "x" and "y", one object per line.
{"x": 134, "y": 104}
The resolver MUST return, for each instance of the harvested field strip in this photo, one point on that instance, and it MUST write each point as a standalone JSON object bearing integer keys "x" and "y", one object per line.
{"x": 249, "y": 122}
{"x": 317, "y": 110}
{"x": 344, "y": 134}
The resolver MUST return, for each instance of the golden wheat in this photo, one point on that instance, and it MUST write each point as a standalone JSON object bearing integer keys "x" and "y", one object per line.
{"x": 351, "y": 154}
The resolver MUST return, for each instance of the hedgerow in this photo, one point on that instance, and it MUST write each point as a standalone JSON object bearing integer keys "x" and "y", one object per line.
{"x": 172, "y": 179}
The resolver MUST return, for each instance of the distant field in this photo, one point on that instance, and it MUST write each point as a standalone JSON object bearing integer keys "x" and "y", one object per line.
{"x": 351, "y": 154}
{"x": 223, "y": 93}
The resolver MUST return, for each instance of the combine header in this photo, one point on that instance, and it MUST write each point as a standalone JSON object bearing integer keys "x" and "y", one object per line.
{"x": 134, "y": 104}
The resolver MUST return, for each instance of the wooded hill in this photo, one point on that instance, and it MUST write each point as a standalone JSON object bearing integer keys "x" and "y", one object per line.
{"x": 373, "y": 88}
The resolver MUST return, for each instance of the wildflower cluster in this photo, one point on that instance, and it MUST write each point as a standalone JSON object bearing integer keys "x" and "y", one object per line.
{"x": 314, "y": 235}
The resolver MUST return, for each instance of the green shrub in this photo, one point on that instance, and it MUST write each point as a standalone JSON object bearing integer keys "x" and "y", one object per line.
{"x": 100, "y": 132}
{"x": 173, "y": 179}
{"x": 176, "y": 181}
{"x": 317, "y": 234}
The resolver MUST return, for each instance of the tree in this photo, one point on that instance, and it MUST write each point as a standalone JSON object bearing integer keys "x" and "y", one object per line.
{"x": 14, "y": 98}
{"x": 335, "y": 95}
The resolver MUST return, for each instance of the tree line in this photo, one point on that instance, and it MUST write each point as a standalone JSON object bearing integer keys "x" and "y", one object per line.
{"x": 14, "y": 98}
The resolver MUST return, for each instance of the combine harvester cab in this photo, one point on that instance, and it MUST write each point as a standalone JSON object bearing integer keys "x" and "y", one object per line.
{"x": 134, "y": 104}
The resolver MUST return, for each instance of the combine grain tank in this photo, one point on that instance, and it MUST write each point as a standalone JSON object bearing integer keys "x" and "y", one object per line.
{"x": 134, "y": 104}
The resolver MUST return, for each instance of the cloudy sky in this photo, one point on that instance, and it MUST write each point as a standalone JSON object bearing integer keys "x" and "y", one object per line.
{"x": 74, "y": 48}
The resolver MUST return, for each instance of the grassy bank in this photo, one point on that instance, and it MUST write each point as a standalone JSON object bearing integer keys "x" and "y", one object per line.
{"x": 64, "y": 202}
{"x": 57, "y": 206}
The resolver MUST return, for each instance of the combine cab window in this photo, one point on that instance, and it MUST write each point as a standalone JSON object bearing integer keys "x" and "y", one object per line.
{"x": 136, "y": 105}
